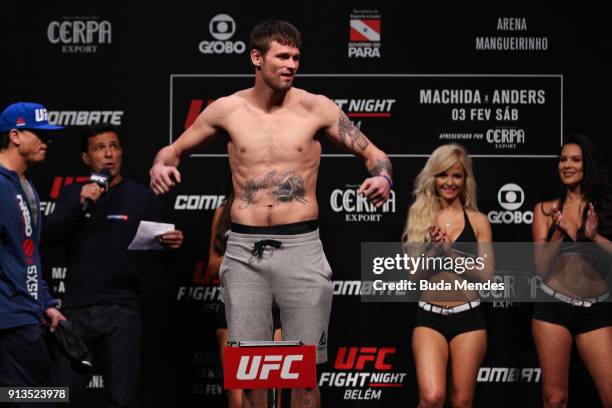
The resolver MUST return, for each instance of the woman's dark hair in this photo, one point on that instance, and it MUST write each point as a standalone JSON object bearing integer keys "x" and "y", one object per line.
{"x": 595, "y": 185}
{"x": 225, "y": 221}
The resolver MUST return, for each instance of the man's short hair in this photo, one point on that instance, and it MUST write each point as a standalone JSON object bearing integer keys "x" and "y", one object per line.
{"x": 280, "y": 31}
{"x": 95, "y": 130}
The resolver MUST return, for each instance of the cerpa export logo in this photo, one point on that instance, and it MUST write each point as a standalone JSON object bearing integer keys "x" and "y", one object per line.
{"x": 356, "y": 208}
{"x": 82, "y": 35}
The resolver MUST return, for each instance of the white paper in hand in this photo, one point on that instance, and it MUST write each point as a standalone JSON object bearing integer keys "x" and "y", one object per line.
{"x": 146, "y": 236}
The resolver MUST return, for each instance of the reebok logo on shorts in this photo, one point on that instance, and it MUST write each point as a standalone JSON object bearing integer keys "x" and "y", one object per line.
{"x": 323, "y": 339}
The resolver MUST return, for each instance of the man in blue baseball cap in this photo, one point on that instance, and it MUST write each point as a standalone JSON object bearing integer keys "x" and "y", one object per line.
{"x": 25, "y": 302}
{"x": 26, "y": 115}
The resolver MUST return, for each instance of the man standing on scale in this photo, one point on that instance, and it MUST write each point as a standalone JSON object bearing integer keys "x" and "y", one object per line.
{"x": 273, "y": 252}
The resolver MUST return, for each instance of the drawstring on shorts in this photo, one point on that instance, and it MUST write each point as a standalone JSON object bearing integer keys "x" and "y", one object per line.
{"x": 259, "y": 246}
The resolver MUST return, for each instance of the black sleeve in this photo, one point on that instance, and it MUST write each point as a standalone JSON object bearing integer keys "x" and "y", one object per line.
{"x": 65, "y": 217}
{"x": 154, "y": 208}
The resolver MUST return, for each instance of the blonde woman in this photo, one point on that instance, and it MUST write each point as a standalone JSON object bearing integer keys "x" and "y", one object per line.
{"x": 449, "y": 339}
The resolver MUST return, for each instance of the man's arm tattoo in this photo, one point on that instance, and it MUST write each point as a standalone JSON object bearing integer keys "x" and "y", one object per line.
{"x": 382, "y": 165}
{"x": 284, "y": 188}
{"x": 349, "y": 134}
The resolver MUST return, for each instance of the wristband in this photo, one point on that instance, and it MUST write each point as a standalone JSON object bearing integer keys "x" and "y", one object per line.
{"x": 388, "y": 180}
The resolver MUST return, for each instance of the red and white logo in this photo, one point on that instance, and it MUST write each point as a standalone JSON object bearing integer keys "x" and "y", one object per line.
{"x": 270, "y": 367}
{"x": 20, "y": 122}
{"x": 364, "y": 34}
{"x": 28, "y": 247}
{"x": 364, "y": 372}
{"x": 119, "y": 217}
{"x": 365, "y": 30}
{"x": 356, "y": 358}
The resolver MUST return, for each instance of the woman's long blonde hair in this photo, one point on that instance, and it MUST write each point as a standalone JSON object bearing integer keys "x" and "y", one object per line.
{"x": 422, "y": 213}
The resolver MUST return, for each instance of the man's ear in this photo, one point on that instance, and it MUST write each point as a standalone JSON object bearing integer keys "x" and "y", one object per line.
{"x": 15, "y": 137}
{"x": 85, "y": 158}
{"x": 256, "y": 58}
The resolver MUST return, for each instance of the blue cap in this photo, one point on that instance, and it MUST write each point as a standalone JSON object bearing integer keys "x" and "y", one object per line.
{"x": 26, "y": 115}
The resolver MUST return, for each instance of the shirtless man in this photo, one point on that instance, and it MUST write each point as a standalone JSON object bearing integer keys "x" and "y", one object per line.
{"x": 273, "y": 251}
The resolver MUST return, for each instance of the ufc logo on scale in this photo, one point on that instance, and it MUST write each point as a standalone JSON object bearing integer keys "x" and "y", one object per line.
{"x": 271, "y": 363}
{"x": 270, "y": 367}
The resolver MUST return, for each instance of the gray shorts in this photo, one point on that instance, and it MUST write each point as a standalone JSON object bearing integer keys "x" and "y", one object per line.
{"x": 296, "y": 276}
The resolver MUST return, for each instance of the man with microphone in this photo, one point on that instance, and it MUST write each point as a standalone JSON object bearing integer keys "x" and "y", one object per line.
{"x": 102, "y": 300}
{"x": 96, "y": 179}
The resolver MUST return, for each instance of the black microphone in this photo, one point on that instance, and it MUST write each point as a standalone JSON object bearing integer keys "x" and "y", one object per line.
{"x": 100, "y": 179}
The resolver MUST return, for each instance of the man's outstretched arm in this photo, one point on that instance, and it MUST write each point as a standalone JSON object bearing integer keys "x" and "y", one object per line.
{"x": 164, "y": 173}
{"x": 345, "y": 134}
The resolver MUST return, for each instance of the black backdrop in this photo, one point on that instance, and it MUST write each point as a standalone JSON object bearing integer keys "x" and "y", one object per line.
{"x": 412, "y": 82}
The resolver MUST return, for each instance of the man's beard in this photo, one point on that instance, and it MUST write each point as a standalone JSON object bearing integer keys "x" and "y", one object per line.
{"x": 276, "y": 86}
